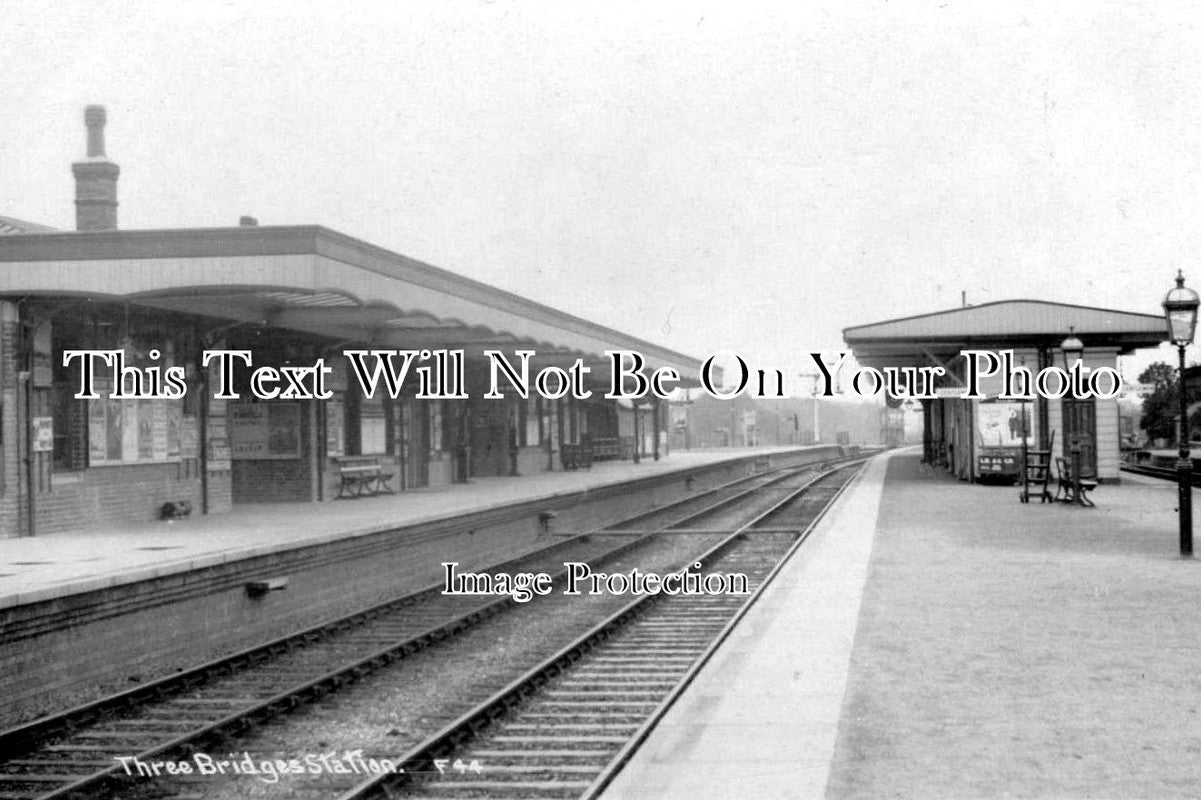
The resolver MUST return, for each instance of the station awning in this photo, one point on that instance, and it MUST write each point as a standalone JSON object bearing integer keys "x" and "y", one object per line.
{"x": 315, "y": 280}
{"x": 1006, "y": 324}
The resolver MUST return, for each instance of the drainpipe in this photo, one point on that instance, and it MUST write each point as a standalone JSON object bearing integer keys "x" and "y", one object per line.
{"x": 24, "y": 378}
{"x": 202, "y": 425}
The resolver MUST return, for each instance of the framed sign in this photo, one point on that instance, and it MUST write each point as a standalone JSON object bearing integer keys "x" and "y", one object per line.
{"x": 43, "y": 434}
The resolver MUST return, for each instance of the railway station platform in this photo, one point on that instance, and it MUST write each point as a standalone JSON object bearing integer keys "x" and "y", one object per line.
{"x": 936, "y": 639}
{"x": 86, "y": 613}
{"x": 43, "y": 567}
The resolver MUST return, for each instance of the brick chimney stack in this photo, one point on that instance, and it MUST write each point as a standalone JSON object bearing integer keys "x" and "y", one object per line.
{"x": 95, "y": 179}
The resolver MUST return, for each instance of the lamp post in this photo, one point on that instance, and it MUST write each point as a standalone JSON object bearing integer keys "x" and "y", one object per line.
{"x": 817, "y": 438}
{"x": 1073, "y": 350}
{"x": 1180, "y": 310}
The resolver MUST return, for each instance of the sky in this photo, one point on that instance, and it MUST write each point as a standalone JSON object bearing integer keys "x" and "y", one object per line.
{"x": 737, "y": 175}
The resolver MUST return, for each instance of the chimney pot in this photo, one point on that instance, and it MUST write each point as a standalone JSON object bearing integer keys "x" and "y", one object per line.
{"x": 95, "y": 117}
{"x": 248, "y": 222}
{"x": 95, "y": 179}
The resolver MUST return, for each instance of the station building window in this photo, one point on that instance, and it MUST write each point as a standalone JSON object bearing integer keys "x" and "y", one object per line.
{"x": 575, "y": 422}
{"x": 551, "y": 422}
{"x": 531, "y": 424}
{"x": 373, "y": 427}
{"x": 371, "y": 422}
{"x": 435, "y": 426}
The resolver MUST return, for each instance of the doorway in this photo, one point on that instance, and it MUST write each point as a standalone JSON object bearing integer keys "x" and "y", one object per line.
{"x": 1080, "y": 425}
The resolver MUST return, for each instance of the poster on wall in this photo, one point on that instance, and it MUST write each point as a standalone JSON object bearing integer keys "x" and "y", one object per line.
{"x": 1000, "y": 424}
{"x": 218, "y": 444}
{"x": 264, "y": 430}
{"x": 97, "y": 432}
{"x": 43, "y": 434}
{"x": 158, "y": 429}
{"x": 188, "y": 436}
{"x": 145, "y": 429}
{"x": 174, "y": 416}
{"x": 123, "y": 430}
{"x": 335, "y": 421}
{"x": 132, "y": 431}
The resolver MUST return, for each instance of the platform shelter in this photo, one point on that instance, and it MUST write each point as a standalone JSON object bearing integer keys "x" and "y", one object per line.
{"x": 975, "y": 438}
{"x": 289, "y": 295}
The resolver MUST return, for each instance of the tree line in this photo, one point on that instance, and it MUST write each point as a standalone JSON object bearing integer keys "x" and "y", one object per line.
{"x": 1162, "y": 405}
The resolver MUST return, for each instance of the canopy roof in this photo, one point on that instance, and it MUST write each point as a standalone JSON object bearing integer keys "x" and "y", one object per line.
{"x": 11, "y": 226}
{"x": 1004, "y": 324}
{"x": 311, "y": 279}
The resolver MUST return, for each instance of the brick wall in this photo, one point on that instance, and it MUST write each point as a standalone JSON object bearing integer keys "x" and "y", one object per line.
{"x": 220, "y": 491}
{"x": 440, "y": 469}
{"x": 531, "y": 460}
{"x": 110, "y": 495}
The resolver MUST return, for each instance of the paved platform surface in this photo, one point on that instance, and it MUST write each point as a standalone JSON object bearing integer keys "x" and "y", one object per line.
{"x": 41, "y": 567}
{"x": 999, "y": 650}
{"x": 760, "y": 719}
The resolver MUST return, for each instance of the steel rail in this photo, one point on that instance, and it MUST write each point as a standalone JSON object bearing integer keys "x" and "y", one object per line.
{"x": 421, "y": 758}
{"x": 602, "y": 781}
{"x": 1165, "y": 473}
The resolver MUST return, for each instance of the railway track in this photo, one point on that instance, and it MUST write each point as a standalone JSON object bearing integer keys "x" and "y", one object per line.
{"x": 74, "y": 754}
{"x": 1165, "y": 473}
{"x": 565, "y": 728}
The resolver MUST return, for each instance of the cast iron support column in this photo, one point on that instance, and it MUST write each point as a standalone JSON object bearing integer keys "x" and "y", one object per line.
{"x": 637, "y": 435}
{"x": 1184, "y": 472}
{"x": 657, "y": 421}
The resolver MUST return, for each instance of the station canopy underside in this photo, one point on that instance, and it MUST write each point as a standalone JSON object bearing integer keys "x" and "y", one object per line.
{"x": 313, "y": 280}
{"x": 937, "y": 338}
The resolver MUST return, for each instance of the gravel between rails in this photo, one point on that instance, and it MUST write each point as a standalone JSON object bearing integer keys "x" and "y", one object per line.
{"x": 402, "y": 704}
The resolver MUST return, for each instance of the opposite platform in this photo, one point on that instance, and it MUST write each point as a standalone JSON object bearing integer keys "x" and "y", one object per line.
{"x": 1000, "y": 650}
{"x": 43, "y": 567}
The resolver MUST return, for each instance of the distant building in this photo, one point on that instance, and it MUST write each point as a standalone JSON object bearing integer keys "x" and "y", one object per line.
{"x": 705, "y": 421}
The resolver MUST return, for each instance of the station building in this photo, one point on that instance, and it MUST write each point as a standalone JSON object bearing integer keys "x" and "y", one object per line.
{"x": 976, "y": 438}
{"x": 289, "y": 295}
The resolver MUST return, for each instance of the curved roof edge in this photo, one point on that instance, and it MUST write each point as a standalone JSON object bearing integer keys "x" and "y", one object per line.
{"x": 305, "y": 239}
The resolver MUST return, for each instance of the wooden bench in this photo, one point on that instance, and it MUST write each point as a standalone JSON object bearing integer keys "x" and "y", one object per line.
{"x": 605, "y": 448}
{"x": 1067, "y": 484}
{"x": 362, "y": 476}
{"x": 576, "y": 456}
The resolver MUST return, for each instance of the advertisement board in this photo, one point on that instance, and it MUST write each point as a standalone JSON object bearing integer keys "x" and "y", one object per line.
{"x": 264, "y": 430}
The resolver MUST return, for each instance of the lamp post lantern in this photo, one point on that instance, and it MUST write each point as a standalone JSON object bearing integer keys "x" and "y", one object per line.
{"x": 1180, "y": 310}
{"x": 1073, "y": 351}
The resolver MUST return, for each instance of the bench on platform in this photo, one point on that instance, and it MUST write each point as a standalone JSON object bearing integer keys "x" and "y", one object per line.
{"x": 605, "y": 448}
{"x": 362, "y": 475}
{"x": 1067, "y": 484}
{"x": 576, "y": 456}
